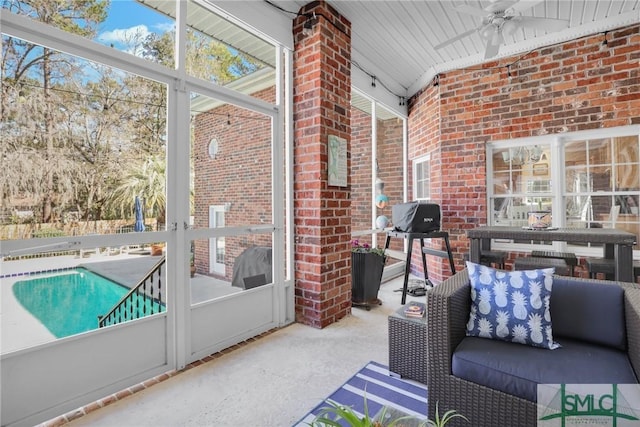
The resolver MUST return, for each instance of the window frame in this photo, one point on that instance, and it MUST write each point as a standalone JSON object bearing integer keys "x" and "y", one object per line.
{"x": 179, "y": 234}
{"x": 557, "y": 174}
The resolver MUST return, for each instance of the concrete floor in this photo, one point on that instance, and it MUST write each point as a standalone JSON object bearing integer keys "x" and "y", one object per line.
{"x": 273, "y": 381}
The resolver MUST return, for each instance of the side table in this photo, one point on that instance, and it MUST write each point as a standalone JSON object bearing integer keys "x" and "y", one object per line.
{"x": 408, "y": 346}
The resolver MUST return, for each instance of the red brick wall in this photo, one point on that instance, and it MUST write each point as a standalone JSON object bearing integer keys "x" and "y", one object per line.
{"x": 572, "y": 86}
{"x": 322, "y": 213}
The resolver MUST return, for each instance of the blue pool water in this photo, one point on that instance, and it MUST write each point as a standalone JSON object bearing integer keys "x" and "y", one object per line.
{"x": 70, "y": 302}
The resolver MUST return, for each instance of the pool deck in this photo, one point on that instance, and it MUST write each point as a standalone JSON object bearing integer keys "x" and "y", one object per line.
{"x": 19, "y": 329}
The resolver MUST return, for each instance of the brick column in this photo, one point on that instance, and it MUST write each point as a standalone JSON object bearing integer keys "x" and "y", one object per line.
{"x": 322, "y": 213}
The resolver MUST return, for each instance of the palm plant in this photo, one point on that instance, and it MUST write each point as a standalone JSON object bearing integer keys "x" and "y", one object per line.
{"x": 147, "y": 180}
{"x": 333, "y": 412}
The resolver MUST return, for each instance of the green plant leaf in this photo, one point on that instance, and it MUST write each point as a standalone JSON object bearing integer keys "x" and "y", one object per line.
{"x": 341, "y": 412}
{"x": 446, "y": 417}
{"x": 348, "y": 414}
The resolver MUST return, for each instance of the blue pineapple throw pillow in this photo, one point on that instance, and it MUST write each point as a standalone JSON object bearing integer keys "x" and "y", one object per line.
{"x": 511, "y": 306}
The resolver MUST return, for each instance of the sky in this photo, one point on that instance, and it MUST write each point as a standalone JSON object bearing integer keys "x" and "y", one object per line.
{"x": 128, "y": 19}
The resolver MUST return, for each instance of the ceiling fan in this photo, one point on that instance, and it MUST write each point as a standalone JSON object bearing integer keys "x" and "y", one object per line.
{"x": 502, "y": 17}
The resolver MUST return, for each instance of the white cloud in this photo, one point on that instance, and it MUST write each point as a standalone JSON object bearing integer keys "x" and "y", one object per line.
{"x": 165, "y": 27}
{"x": 125, "y": 36}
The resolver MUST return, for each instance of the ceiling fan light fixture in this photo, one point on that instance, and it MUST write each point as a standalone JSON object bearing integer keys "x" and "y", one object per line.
{"x": 498, "y": 21}
{"x": 503, "y": 18}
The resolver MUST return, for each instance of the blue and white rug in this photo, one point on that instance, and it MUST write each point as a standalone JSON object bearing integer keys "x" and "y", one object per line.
{"x": 400, "y": 397}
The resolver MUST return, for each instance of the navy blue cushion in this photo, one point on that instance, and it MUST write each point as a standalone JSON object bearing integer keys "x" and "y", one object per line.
{"x": 511, "y": 305}
{"x": 518, "y": 369}
{"x": 592, "y": 312}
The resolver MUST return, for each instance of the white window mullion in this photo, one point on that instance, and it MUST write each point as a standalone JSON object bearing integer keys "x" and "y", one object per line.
{"x": 374, "y": 168}
{"x": 558, "y": 188}
{"x": 405, "y": 160}
{"x": 278, "y": 164}
{"x": 287, "y": 117}
{"x": 178, "y": 169}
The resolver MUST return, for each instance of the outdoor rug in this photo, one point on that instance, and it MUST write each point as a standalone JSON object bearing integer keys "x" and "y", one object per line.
{"x": 400, "y": 397}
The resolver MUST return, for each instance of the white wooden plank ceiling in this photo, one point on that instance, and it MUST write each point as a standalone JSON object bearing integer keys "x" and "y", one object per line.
{"x": 398, "y": 38}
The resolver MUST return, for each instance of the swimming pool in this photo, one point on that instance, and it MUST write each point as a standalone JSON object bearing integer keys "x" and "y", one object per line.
{"x": 70, "y": 302}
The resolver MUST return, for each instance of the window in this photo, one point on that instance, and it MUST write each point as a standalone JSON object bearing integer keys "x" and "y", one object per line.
{"x": 90, "y": 129}
{"x": 149, "y": 36}
{"x": 216, "y": 244}
{"x": 377, "y": 171}
{"x": 584, "y": 179}
{"x": 421, "y": 178}
{"x": 247, "y": 64}
{"x": 521, "y": 182}
{"x": 77, "y": 170}
{"x": 602, "y": 182}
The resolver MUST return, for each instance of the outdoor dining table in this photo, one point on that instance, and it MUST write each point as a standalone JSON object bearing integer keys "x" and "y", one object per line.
{"x": 618, "y": 244}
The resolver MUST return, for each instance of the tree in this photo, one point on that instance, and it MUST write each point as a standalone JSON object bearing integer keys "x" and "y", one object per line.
{"x": 42, "y": 68}
{"x": 148, "y": 181}
{"x": 71, "y": 126}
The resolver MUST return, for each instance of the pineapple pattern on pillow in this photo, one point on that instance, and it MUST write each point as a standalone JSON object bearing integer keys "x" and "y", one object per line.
{"x": 511, "y": 305}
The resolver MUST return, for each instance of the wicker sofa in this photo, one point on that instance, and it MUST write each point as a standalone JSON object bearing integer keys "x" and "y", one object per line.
{"x": 448, "y": 311}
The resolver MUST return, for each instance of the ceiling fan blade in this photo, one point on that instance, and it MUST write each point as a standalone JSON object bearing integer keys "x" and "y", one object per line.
{"x": 493, "y": 45}
{"x": 454, "y": 39}
{"x": 470, "y": 10}
{"x": 522, "y": 5}
{"x": 497, "y": 6}
{"x": 547, "y": 24}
